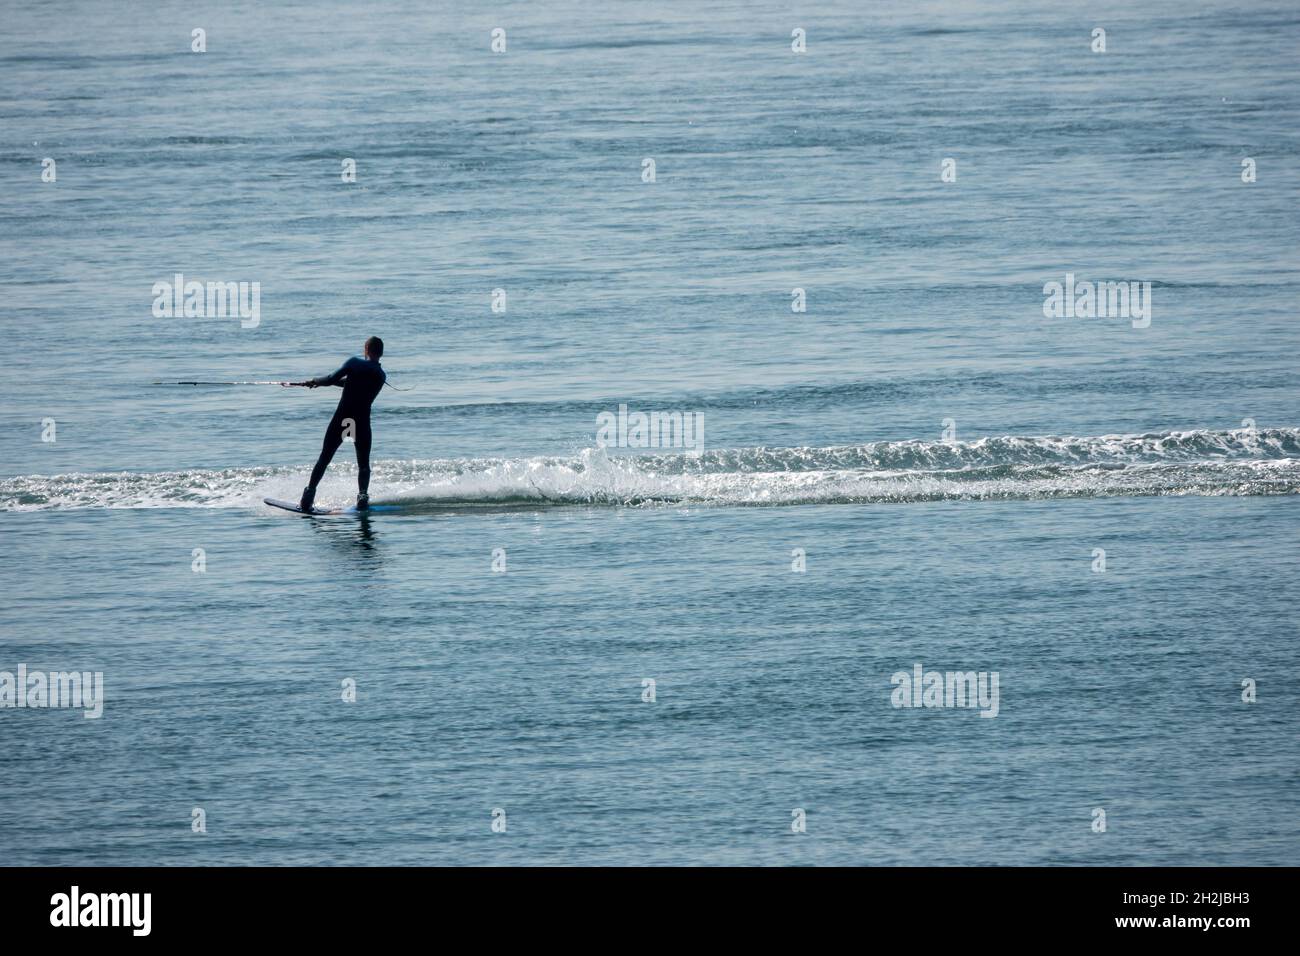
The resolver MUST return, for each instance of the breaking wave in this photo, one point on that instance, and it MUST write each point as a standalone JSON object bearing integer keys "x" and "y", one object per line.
{"x": 1239, "y": 462}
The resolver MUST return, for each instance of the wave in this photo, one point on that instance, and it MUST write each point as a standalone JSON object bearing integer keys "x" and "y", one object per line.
{"x": 1238, "y": 462}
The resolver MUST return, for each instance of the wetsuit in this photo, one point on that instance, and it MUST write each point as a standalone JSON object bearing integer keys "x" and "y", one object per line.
{"x": 362, "y": 380}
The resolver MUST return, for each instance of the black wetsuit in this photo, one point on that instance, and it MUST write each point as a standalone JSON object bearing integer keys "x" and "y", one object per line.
{"x": 362, "y": 380}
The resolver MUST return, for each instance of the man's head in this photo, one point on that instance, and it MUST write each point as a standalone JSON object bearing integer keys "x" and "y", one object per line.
{"x": 374, "y": 348}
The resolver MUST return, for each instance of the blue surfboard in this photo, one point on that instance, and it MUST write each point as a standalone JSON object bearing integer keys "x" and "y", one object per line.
{"x": 321, "y": 512}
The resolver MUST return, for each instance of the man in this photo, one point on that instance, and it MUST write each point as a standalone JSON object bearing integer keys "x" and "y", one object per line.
{"x": 362, "y": 380}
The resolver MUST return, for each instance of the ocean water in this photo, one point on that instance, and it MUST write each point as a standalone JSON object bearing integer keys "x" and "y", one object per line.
{"x": 945, "y": 461}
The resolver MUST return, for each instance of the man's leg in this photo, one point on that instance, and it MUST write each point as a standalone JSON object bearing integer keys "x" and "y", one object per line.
{"x": 363, "y": 463}
{"x": 333, "y": 438}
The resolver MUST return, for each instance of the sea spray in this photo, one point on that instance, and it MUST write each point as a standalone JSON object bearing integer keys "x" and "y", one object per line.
{"x": 1238, "y": 462}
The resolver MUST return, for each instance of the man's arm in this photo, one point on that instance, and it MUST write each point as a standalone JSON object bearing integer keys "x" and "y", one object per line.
{"x": 334, "y": 378}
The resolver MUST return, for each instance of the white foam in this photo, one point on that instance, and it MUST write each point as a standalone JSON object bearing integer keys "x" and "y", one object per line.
{"x": 1193, "y": 462}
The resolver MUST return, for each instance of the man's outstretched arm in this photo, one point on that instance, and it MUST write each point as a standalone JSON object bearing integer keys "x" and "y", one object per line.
{"x": 334, "y": 378}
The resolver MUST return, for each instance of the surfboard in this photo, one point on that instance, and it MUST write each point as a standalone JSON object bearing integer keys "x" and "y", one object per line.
{"x": 319, "y": 512}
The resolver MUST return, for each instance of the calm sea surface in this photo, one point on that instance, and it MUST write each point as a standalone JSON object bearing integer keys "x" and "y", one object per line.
{"x": 943, "y": 459}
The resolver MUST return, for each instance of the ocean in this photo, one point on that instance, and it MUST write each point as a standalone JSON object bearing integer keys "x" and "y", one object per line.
{"x": 569, "y": 646}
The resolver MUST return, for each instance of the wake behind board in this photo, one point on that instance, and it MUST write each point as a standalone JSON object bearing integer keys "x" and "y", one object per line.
{"x": 320, "y": 512}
